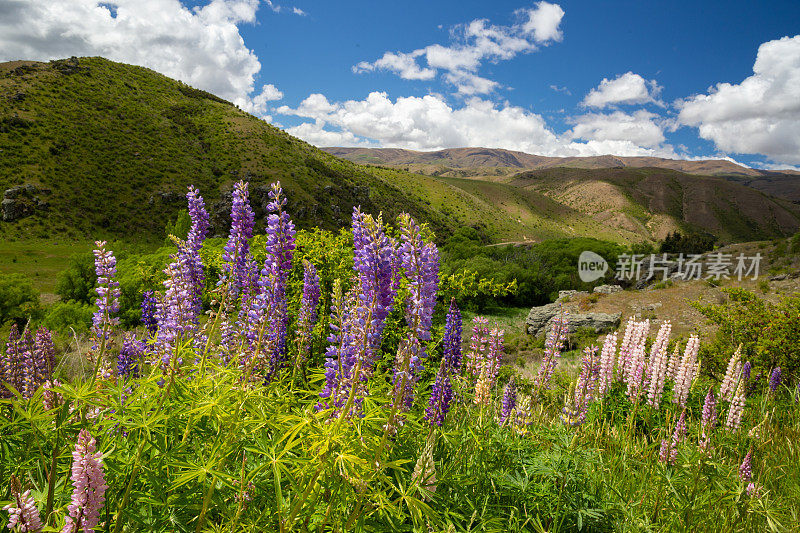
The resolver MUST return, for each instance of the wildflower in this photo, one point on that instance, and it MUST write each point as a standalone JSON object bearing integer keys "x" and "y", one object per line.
{"x": 482, "y": 389}
{"x": 754, "y": 490}
{"x": 687, "y": 372}
{"x": 194, "y": 242}
{"x": 25, "y": 352}
{"x": 552, "y": 348}
{"x": 12, "y": 368}
{"x": 89, "y": 486}
{"x": 477, "y": 344}
{"x": 129, "y": 356}
{"x": 657, "y": 366}
{"x": 237, "y": 268}
{"x": 50, "y": 398}
{"x": 669, "y": 448}
{"x": 775, "y": 379}
{"x": 425, "y": 468}
{"x": 24, "y": 516}
{"x": 746, "y": 369}
{"x": 509, "y": 401}
{"x": 736, "y": 409}
{"x": 307, "y": 316}
{"x": 607, "y": 360}
{"x": 585, "y": 386}
{"x": 44, "y": 355}
{"x": 746, "y": 468}
{"x": 674, "y": 362}
{"x": 149, "y": 312}
{"x": 709, "y": 419}
{"x": 452, "y": 338}
{"x": 494, "y": 353}
{"x": 420, "y": 261}
{"x": 732, "y": 375}
{"x": 522, "y": 415}
{"x": 441, "y": 397}
{"x": 636, "y": 367}
{"x": 635, "y": 337}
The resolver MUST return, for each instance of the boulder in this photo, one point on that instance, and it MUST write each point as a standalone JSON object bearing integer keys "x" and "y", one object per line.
{"x": 607, "y": 289}
{"x": 541, "y": 318}
{"x": 20, "y": 202}
{"x": 570, "y": 294}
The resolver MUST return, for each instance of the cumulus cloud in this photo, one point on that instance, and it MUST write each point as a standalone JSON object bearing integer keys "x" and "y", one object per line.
{"x": 201, "y": 46}
{"x": 760, "y": 115}
{"x": 430, "y": 123}
{"x": 474, "y": 43}
{"x": 628, "y": 89}
{"x": 640, "y": 128}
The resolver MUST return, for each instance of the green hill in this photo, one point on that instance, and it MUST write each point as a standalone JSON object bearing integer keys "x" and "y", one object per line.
{"x": 90, "y": 148}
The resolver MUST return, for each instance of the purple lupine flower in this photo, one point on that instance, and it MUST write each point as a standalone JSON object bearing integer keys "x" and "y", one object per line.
{"x": 441, "y": 397}
{"x": 686, "y": 374}
{"x": 494, "y": 353}
{"x": 25, "y": 352}
{"x": 307, "y": 316}
{"x": 89, "y": 486}
{"x": 452, "y": 338}
{"x": 23, "y": 516}
{"x": 130, "y": 356}
{"x": 194, "y": 242}
{"x": 477, "y": 345}
{"x": 44, "y": 354}
{"x": 552, "y": 349}
{"x": 709, "y": 419}
{"x": 797, "y": 393}
{"x": 107, "y": 292}
{"x": 420, "y": 261}
{"x": 358, "y": 320}
{"x": 775, "y": 379}
{"x": 237, "y": 268}
{"x": 669, "y": 448}
{"x": 607, "y": 361}
{"x": 13, "y": 372}
{"x": 733, "y": 373}
{"x": 658, "y": 363}
{"x": 267, "y": 316}
{"x": 149, "y": 312}
{"x": 746, "y": 468}
{"x": 509, "y": 401}
{"x": 175, "y": 311}
{"x": 746, "y": 370}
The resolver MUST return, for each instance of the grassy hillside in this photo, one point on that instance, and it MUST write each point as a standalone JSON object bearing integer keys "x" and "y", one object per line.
{"x": 662, "y": 200}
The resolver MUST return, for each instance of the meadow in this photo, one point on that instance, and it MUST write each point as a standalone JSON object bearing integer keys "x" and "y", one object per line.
{"x": 319, "y": 381}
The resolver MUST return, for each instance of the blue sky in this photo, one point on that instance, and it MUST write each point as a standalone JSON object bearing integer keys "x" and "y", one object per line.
{"x": 671, "y": 79}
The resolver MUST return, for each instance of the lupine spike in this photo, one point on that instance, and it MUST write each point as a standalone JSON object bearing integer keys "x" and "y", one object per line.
{"x": 732, "y": 375}
{"x": 607, "y": 362}
{"x": 441, "y": 397}
{"x": 452, "y": 338}
{"x": 774, "y": 379}
{"x": 509, "y": 401}
{"x": 23, "y": 516}
{"x": 687, "y": 371}
{"x": 307, "y": 315}
{"x": 658, "y": 364}
{"x": 89, "y": 486}
{"x": 556, "y": 337}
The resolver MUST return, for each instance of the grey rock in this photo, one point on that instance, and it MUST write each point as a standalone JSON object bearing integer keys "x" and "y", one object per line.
{"x": 607, "y": 289}
{"x": 570, "y": 294}
{"x": 599, "y": 322}
{"x": 539, "y": 317}
{"x": 779, "y": 277}
{"x": 20, "y": 202}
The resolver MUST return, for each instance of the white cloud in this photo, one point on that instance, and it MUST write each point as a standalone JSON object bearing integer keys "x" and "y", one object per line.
{"x": 260, "y": 103}
{"x": 475, "y": 42}
{"x": 628, "y": 88}
{"x": 760, "y": 115}
{"x": 430, "y": 123}
{"x": 640, "y": 128}
{"x": 298, "y": 11}
{"x": 559, "y": 89}
{"x": 200, "y": 46}
{"x": 277, "y": 8}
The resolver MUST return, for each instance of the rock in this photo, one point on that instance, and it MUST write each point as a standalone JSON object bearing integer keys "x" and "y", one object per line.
{"x": 599, "y": 322}
{"x": 20, "y": 202}
{"x": 15, "y": 209}
{"x": 607, "y": 289}
{"x": 779, "y": 277}
{"x": 540, "y": 319}
{"x": 570, "y": 294}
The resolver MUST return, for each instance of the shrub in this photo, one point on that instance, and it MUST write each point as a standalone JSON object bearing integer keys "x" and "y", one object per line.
{"x": 19, "y": 301}
{"x": 769, "y": 333}
{"x": 77, "y": 281}
{"x": 63, "y": 317}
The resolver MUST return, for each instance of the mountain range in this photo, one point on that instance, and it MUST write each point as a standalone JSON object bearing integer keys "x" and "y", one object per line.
{"x": 91, "y": 148}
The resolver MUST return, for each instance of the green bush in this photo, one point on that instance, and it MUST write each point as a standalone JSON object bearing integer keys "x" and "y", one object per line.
{"x": 19, "y": 302}
{"x": 77, "y": 281}
{"x": 769, "y": 333}
{"x": 63, "y": 317}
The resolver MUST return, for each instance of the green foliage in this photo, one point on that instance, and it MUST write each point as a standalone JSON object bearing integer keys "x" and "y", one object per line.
{"x": 539, "y": 270}
{"x": 687, "y": 243}
{"x": 66, "y": 317}
{"x": 78, "y": 280}
{"x": 180, "y": 228}
{"x": 19, "y": 301}
{"x": 768, "y": 332}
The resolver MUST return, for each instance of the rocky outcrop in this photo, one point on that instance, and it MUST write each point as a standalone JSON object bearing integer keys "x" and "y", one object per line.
{"x": 607, "y": 289}
{"x": 540, "y": 319}
{"x": 22, "y": 201}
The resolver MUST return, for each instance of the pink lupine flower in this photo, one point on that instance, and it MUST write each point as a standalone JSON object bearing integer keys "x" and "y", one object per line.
{"x": 736, "y": 410}
{"x": 637, "y": 338}
{"x": 24, "y": 516}
{"x": 552, "y": 348}
{"x": 746, "y": 468}
{"x": 636, "y": 364}
{"x": 686, "y": 374}
{"x": 477, "y": 344}
{"x": 674, "y": 362}
{"x": 89, "y": 484}
{"x": 607, "y": 360}
{"x": 732, "y": 376}
{"x": 657, "y": 366}
{"x": 709, "y": 419}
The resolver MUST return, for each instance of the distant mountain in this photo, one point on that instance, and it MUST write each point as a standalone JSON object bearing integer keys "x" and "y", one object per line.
{"x": 494, "y": 163}
{"x": 90, "y": 148}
